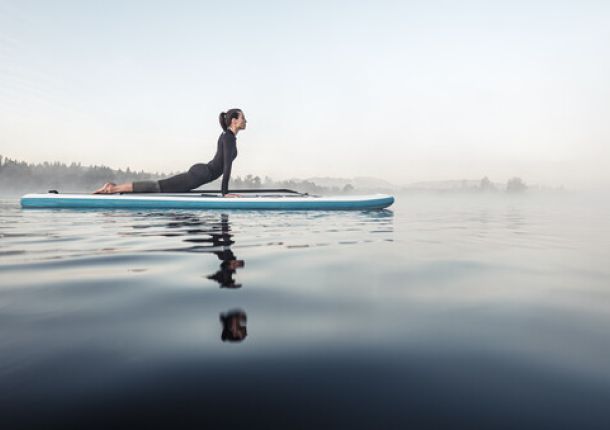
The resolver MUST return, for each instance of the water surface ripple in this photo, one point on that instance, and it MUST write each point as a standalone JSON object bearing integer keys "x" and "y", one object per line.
{"x": 445, "y": 311}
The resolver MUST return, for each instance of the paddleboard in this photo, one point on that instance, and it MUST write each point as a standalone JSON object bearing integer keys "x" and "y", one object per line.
{"x": 251, "y": 201}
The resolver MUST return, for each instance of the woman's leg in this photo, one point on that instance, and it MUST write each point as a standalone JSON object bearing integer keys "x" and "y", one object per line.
{"x": 146, "y": 187}
{"x": 129, "y": 187}
{"x": 196, "y": 176}
{"x": 110, "y": 188}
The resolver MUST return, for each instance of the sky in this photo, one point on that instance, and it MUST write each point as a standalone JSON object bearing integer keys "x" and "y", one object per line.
{"x": 405, "y": 91}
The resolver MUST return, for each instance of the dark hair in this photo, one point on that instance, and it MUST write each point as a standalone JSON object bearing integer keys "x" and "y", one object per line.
{"x": 225, "y": 117}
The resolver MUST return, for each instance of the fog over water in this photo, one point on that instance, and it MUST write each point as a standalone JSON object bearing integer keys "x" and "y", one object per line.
{"x": 403, "y": 91}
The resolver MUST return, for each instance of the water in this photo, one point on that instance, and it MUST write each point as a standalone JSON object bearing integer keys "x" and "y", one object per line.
{"x": 445, "y": 311}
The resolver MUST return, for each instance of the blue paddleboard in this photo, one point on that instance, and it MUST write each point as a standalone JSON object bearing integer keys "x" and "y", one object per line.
{"x": 206, "y": 201}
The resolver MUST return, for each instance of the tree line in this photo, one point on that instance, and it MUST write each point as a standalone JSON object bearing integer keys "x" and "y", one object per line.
{"x": 20, "y": 176}
{"x": 513, "y": 185}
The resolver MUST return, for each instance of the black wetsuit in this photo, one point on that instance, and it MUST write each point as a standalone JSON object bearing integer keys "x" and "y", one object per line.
{"x": 200, "y": 173}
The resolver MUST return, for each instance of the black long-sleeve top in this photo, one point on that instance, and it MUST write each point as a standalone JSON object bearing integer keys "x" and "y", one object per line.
{"x": 223, "y": 160}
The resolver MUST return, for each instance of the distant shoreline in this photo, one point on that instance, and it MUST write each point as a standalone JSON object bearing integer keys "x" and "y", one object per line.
{"x": 19, "y": 177}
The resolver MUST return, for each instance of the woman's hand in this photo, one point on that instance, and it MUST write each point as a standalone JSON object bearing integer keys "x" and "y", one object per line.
{"x": 231, "y": 195}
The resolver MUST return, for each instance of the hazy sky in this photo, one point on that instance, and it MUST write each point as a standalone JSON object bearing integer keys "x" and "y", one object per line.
{"x": 404, "y": 90}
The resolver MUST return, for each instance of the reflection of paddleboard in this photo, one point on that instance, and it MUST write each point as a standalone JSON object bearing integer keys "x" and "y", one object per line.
{"x": 253, "y": 199}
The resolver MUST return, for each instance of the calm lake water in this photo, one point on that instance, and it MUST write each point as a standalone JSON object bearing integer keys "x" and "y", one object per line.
{"x": 447, "y": 311}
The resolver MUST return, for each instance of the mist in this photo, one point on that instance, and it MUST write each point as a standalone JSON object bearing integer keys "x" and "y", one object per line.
{"x": 403, "y": 92}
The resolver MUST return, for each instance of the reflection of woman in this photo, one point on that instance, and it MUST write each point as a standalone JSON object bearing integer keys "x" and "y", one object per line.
{"x": 231, "y": 122}
{"x": 230, "y": 263}
{"x": 233, "y": 326}
{"x": 227, "y": 269}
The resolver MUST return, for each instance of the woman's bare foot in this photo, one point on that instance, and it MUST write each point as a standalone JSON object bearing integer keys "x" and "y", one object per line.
{"x": 108, "y": 188}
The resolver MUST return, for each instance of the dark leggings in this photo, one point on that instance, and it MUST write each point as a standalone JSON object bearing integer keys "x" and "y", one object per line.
{"x": 196, "y": 176}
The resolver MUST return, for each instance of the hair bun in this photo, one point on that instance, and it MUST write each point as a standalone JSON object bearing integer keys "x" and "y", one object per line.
{"x": 222, "y": 119}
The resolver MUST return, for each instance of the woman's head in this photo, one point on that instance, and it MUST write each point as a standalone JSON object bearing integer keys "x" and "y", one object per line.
{"x": 234, "y": 326}
{"x": 233, "y": 118}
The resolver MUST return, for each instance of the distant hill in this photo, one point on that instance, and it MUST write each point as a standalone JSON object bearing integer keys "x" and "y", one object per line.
{"x": 451, "y": 185}
{"x": 513, "y": 185}
{"x": 358, "y": 182}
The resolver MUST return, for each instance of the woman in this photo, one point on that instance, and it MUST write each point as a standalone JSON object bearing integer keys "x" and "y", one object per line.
{"x": 231, "y": 122}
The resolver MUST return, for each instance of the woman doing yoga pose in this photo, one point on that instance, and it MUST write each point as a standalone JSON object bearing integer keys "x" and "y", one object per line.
{"x": 231, "y": 122}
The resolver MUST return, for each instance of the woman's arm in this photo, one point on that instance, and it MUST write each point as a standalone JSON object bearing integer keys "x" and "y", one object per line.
{"x": 229, "y": 149}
